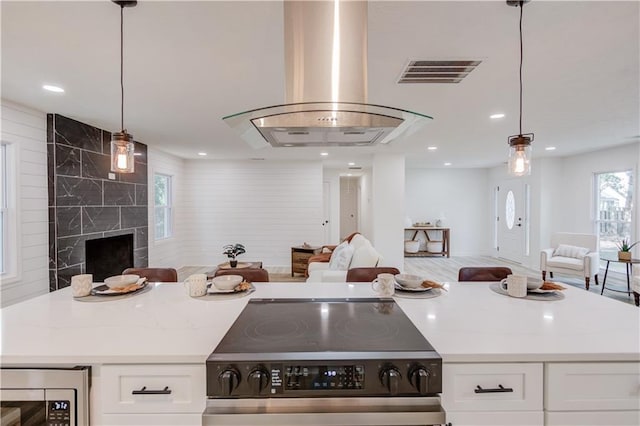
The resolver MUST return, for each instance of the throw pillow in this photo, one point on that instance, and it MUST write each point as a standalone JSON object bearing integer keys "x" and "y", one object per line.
{"x": 365, "y": 257}
{"x": 566, "y": 250}
{"x": 341, "y": 257}
{"x": 358, "y": 241}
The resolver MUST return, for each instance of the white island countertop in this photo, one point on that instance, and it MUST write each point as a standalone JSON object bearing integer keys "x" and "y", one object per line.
{"x": 469, "y": 323}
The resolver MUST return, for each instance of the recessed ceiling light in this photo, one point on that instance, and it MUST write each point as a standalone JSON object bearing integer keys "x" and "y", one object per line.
{"x": 496, "y": 116}
{"x": 432, "y": 148}
{"x": 352, "y": 163}
{"x": 349, "y": 174}
{"x": 202, "y": 154}
{"x": 137, "y": 154}
{"x": 288, "y": 144}
{"x": 447, "y": 164}
{"x": 51, "y": 88}
{"x": 324, "y": 154}
{"x": 550, "y": 148}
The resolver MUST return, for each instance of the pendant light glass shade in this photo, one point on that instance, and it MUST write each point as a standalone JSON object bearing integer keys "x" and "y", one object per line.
{"x": 519, "y": 163}
{"x": 122, "y": 152}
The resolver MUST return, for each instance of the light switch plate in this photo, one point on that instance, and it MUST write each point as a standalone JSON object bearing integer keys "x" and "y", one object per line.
{"x": 112, "y": 176}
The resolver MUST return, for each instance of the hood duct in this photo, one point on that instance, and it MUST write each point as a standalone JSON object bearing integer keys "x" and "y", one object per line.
{"x": 326, "y": 85}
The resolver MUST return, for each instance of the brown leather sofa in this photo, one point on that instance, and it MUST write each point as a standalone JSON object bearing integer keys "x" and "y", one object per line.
{"x": 327, "y": 250}
{"x": 483, "y": 273}
{"x": 164, "y": 275}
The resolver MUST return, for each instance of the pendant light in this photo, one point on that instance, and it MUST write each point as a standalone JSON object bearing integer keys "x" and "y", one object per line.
{"x": 122, "y": 147}
{"x": 519, "y": 163}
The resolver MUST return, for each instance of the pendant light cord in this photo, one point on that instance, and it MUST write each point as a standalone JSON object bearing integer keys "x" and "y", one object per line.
{"x": 122, "y": 68}
{"x": 521, "y": 56}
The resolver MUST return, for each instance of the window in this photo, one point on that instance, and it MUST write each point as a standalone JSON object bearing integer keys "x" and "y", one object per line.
{"x": 162, "y": 206}
{"x": 614, "y": 210}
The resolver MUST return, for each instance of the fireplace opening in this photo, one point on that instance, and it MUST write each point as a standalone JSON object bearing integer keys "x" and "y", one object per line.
{"x": 106, "y": 257}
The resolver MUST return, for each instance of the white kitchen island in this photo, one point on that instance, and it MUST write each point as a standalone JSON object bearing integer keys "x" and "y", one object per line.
{"x": 573, "y": 361}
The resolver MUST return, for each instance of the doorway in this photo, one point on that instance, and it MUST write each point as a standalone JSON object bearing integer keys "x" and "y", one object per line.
{"x": 349, "y": 197}
{"x": 512, "y": 221}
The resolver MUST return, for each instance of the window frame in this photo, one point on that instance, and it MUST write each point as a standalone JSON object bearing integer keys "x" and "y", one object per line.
{"x": 596, "y": 210}
{"x": 168, "y": 208}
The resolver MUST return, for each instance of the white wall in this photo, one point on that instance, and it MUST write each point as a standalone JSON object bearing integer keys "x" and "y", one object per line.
{"x": 365, "y": 206}
{"x": 462, "y": 198}
{"x": 169, "y": 252}
{"x": 25, "y": 130}
{"x": 577, "y": 180}
{"x": 267, "y": 206}
{"x": 388, "y": 185}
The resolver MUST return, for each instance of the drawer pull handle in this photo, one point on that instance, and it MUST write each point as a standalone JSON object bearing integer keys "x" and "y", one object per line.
{"x": 500, "y": 388}
{"x": 144, "y": 391}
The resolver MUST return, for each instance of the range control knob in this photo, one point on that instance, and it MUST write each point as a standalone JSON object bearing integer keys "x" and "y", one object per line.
{"x": 229, "y": 380}
{"x": 419, "y": 378}
{"x": 390, "y": 378}
{"x": 258, "y": 380}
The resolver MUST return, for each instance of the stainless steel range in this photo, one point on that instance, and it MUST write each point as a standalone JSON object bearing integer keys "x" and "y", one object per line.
{"x": 333, "y": 361}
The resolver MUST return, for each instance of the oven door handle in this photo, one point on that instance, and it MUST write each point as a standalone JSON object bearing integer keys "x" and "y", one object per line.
{"x": 144, "y": 391}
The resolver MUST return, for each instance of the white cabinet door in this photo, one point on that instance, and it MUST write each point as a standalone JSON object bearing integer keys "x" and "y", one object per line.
{"x": 592, "y": 386}
{"x": 592, "y": 418}
{"x": 495, "y": 418}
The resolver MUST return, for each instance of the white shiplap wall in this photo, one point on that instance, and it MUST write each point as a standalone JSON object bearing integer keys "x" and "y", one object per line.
{"x": 25, "y": 129}
{"x": 168, "y": 253}
{"x": 267, "y": 206}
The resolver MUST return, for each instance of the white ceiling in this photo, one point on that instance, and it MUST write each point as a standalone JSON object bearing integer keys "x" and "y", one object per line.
{"x": 188, "y": 64}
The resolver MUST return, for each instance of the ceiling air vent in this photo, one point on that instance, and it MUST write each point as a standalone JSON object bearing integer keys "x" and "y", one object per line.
{"x": 437, "y": 71}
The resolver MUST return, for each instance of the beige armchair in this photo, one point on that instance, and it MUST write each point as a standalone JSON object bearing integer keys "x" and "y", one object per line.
{"x": 572, "y": 254}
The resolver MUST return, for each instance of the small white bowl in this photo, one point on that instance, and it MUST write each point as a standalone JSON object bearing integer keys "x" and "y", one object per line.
{"x": 409, "y": 281}
{"x": 226, "y": 282}
{"x": 533, "y": 283}
{"x": 121, "y": 280}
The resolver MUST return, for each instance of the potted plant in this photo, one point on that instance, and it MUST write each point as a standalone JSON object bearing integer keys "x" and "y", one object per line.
{"x": 624, "y": 249}
{"x": 233, "y": 250}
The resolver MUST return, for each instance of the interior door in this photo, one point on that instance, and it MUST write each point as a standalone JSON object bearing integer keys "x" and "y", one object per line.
{"x": 349, "y": 194}
{"x": 511, "y": 220}
{"x": 326, "y": 211}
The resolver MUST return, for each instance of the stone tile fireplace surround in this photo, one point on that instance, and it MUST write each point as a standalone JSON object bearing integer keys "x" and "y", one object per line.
{"x": 84, "y": 203}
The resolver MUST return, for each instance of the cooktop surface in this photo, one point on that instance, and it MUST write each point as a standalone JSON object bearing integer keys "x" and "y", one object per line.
{"x": 313, "y": 325}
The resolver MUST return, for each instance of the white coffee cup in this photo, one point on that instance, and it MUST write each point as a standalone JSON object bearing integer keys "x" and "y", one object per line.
{"x": 384, "y": 285}
{"x": 196, "y": 285}
{"x": 81, "y": 285}
{"x": 515, "y": 285}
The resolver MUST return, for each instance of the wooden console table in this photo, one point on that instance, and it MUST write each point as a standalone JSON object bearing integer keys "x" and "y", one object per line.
{"x": 300, "y": 258}
{"x": 427, "y": 229}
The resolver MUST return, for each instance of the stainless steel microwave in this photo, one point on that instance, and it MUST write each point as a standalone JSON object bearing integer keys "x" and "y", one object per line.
{"x": 44, "y": 396}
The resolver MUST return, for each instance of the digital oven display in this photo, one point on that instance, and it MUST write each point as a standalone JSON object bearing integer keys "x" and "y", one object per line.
{"x": 59, "y": 406}
{"x": 323, "y": 377}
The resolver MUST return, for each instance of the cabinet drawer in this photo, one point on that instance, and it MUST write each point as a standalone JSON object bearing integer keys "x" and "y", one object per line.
{"x": 592, "y": 386}
{"x": 301, "y": 257}
{"x": 467, "y": 387}
{"x": 182, "y": 385}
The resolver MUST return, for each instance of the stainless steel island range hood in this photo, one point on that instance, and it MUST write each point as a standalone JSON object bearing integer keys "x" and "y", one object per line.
{"x": 326, "y": 85}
